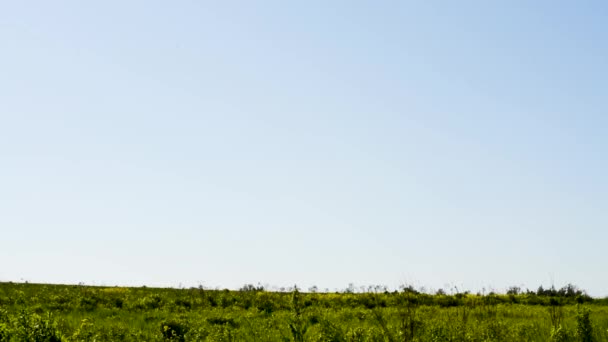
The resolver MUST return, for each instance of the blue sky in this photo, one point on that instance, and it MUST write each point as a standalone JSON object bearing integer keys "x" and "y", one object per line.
{"x": 321, "y": 143}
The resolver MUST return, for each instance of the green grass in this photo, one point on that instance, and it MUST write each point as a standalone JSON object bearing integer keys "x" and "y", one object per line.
{"x": 37, "y": 312}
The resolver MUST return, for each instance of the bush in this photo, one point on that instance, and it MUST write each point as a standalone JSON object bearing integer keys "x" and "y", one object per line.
{"x": 221, "y": 321}
{"x": 86, "y": 332}
{"x": 559, "y": 334}
{"x": 584, "y": 330}
{"x": 34, "y": 328}
{"x": 265, "y": 303}
{"x": 150, "y": 302}
{"x": 88, "y": 303}
{"x": 5, "y": 333}
{"x": 174, "y": 330}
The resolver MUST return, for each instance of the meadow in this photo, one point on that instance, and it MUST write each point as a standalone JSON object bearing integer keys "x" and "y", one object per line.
{"x": 41, "y": 312}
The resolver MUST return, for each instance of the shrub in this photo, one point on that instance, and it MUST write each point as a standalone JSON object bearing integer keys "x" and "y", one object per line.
{"x": 5, "y": 333}
{"x": 174, "y": 330}
{"x": 221, "y": 321}
{"x": 584, "y": 330}
{"x": 264, "y": 302}
{"x": 85, "y": 332}
{"x": 149, "y": 302}
{"x": 34, "y": 328}
{"x": 559, "y": 334}
{"x": 88, "y": 303}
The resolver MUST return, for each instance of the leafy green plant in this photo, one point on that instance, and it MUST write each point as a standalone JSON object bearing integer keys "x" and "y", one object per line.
{"x": 559, "y": 334}
{"x": 31, "y": 327}
{"x": 173, "y": 330}
{"x": 556, "y": 312}
{"x": 584, "y": 329}
{"x": 5, "y": 333}
{"x": 297, "y": 325}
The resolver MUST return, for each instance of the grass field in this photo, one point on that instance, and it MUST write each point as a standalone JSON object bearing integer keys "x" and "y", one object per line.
{"x": 37, "y": 312}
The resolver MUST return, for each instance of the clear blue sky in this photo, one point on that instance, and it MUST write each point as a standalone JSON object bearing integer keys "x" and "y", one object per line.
{"x": 452, "y": 143}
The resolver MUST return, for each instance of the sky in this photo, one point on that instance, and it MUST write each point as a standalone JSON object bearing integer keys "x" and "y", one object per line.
{"x": 438, "y": 144}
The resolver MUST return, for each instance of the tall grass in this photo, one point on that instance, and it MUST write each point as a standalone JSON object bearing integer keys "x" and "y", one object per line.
{"x": 30, "y": 312}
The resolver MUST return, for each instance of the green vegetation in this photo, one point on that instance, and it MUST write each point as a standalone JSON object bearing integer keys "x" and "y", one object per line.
{"x": 36, "y": 312}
